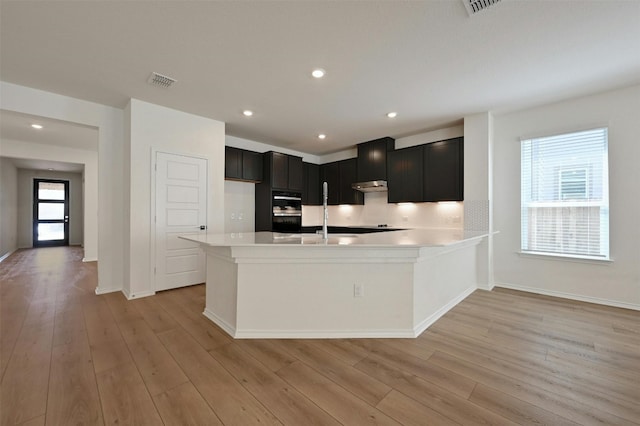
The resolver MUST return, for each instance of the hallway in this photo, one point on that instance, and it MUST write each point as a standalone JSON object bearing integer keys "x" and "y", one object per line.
{"x": 45, "y": 352}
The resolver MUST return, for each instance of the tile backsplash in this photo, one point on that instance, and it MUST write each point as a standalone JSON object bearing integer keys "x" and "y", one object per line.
{"x": 377, "y": 211}
{"x": 239, "y": 212}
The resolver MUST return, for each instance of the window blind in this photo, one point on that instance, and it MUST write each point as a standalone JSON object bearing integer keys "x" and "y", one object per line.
{"x": 565, "y": 194}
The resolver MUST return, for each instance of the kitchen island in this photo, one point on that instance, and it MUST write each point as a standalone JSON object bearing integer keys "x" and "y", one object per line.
{"x": 387, "y": 284}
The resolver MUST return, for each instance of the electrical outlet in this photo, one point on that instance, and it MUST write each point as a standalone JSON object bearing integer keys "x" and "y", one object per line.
{"x": 240, "y": 216}
{"x": 358, "y": 290}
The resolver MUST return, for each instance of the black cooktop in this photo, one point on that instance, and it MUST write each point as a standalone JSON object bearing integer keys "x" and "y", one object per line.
{"x": 348, "y": 229}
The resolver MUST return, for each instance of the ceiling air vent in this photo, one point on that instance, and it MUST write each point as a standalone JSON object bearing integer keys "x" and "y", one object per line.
{"x": 475, "y": 6}
{"x": 160, "y": 80}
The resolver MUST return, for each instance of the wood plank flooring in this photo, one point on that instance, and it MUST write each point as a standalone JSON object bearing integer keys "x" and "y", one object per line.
{"x": 503, "y": 357}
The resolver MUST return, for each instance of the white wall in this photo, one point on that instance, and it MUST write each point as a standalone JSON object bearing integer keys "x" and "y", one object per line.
{"x": 616, "y": 283}
{"x": 25, "y": 205}
{"x": 90, "y": 230}
{"x": 432, "y": 136}
{"x": 152, "y": 127}
{"x": 109, "y": 123}
{"x": 8, "y": 207}
{"x": 239, "y": 206}
{"x": 478, "y": 190}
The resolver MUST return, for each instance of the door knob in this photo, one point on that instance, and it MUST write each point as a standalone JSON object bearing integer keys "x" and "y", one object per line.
{"x": 203, "y": 227}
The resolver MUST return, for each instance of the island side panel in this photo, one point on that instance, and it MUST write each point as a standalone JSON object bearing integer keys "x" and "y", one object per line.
{"x": 297, "y": 300}
{"x": 221, "y": 288}
{"x": 444, "y": 276}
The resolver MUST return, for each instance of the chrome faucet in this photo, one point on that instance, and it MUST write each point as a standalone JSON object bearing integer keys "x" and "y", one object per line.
{"x": 325, "y": 196}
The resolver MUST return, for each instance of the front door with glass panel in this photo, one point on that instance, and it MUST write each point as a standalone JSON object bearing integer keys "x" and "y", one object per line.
{"x": 50, "y": 212}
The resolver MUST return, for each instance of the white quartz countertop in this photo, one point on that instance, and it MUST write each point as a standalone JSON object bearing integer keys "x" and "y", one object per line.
{"x": 404, "y": 238}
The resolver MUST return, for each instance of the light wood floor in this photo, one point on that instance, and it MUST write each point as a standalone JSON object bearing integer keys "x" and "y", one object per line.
{"x": 69, "y": 357}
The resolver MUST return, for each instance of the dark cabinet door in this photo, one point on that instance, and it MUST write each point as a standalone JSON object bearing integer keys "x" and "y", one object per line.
{"x": 251, "y": 166}
{"x": 240, "y": 164}
{"x": 444, "y": 170}
{"x": 232, "y": 163}
{"x": 348, "y": 176}
{"x": 414, "y": 179}
{"x": 395, "y": 176}
{"x": 372, "y": 159}
{"x": 279, "y": 170}
{"x": 330, "y": 173}
{"x": 339, "y": 176}
{"x": 296, "y": 174}
{"x": 405, "y": 175}
{"x": 311, "y": 196}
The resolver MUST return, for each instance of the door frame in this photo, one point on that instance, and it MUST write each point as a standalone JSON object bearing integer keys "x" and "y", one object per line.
{"x": 35, "y": 221}
{"x": 152, "y": 217}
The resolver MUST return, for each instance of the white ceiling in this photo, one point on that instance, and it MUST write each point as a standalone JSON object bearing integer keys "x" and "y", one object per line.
{"x": 17, "y": 127}
{"x": 31, "y": 164}
{"x": 427, "y": 60}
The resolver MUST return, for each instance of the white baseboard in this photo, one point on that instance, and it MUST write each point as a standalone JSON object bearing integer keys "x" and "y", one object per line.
{"x": 324, "y": 334}
{"x": 138, "y": 295}
{"x": 100, "y": 290}
{"x": 89, "y": 259}
{"x": 228, "y": 328}
{"x": 305, "y": 334}
{"x": 7, "y": 254}
{"x": 126, "y": 294}
{"x": 571, "y": 296}
{"x": 427, "y": 322}
{"x": 488, "y": 286}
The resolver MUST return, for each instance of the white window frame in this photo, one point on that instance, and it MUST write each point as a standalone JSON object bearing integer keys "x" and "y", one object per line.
{"x": 587, "y": 201}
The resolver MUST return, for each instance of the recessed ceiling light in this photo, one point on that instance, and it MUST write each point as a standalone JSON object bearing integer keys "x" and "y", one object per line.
{"x": 37, "y": 126}
{"x": 247, "y": 113}
{"x": 392, "y": 114}
{"x": 50, "y": 169}
{"x": 322, "y": 136}
{"x": 318, "y": 73}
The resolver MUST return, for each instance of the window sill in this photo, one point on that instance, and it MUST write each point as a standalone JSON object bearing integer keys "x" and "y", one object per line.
{"x": 566, "y": 257}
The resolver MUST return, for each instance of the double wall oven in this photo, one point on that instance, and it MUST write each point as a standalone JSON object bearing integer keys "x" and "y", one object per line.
{"x": 287, "y": 211}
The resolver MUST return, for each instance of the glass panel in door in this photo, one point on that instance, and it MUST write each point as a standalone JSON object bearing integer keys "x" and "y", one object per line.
{"x": 50, "y": 212}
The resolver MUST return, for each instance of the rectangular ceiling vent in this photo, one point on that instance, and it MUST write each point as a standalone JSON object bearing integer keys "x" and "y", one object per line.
{"x": 475, "y": 6}
{"x": 160, "y": 80}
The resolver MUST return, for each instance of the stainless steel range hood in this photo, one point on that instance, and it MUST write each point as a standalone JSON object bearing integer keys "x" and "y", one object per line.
{"x": 370, "y": 186}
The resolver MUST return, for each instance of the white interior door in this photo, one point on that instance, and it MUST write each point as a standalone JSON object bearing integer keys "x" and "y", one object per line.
{"x": 181, "y": 209}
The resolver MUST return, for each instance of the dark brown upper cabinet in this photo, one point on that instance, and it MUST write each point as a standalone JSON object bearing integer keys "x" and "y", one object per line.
{"x": 330, "y": 173}
{"x": 372, "y": 159}
{"x": 252, "y": 166}
{"x": 348, "y": 175}
{"x": 312, "y": 194}
{"x": 285, "y": 171}
{"x": 296, "y": 173}
{"x": 232, "y": 163}
{"x": 242, "y": 165}
{"x": 444, "y": 170}
{"x": 405, "y": 175}
{"x": 339, "y": 176}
